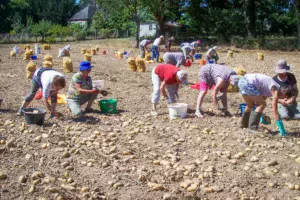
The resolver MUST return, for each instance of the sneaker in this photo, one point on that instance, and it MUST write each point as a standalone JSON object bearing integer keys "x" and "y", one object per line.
{"x": 199, "y": 114}
{"x": 20, "y": 112}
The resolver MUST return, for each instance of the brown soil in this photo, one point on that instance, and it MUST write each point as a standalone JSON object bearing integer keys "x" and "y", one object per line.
{"x": 121, "y": 156}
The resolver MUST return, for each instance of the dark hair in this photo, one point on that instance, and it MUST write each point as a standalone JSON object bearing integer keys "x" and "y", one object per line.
{"x": 59, "y": 81}
{"x": 288, "y": 90}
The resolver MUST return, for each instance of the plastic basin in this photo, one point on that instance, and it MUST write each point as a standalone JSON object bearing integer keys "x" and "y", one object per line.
{"x": 108, "y": 105}
{"x": 178, "y": 110}
{"x": 243, "y": 106}
{"x": 98, "y": 84}
{"x": 198, "y": 56}
{"x": 34, "y": 115}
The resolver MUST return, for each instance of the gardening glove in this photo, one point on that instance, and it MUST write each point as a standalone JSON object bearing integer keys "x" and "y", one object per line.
{"x": 280, "y": 126}
{"x": 95, "y": 91}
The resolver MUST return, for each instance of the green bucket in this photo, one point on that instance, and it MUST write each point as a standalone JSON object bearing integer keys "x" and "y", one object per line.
{"x": 108, "y": 105}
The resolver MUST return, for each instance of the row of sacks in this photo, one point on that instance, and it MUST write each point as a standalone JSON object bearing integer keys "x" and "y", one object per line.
{"x": 31, "y": 66}
{"x": 92, "y": 51}
{"x": 136, "y": 64}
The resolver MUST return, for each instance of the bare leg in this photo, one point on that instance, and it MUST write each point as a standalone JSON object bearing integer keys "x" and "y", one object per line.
{"x": 90, "y": 103}
{"x": 199, "y": 103}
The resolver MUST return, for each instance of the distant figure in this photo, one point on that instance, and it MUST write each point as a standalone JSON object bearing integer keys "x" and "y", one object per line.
{"x": 169, "y": 44}
{"x": 156, "y": 43}
{"x": 188, "y": 51}
{"x": 144, "y": 47}
{"x": 212, "y": 54}
{"x": 177, "y": 59}
{"x": 193, "y": 44}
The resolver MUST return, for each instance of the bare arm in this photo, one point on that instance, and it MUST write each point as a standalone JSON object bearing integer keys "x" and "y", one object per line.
{"x": 274, "y": 92}
{"x": 162, "y": 89}
{"x": 215, "y": 91}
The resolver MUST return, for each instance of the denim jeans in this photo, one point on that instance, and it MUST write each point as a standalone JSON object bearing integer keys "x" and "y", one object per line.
{"x": 155, "y": 53}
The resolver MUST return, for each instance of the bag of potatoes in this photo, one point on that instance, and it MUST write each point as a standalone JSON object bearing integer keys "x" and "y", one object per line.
{"x": 147, "y": 57}
{"x": 97, "y": 48}
{"x": 27, "y": 55}
{"x": 46, "y": 46}
{"x": 47, "y": 64}
{"x": 93, "y": 51}
{"x": 140, "y": 64}
{"x": 88, "y": 57}
{"x": 67, "y": 65}
{"x": 30, "y": 69}
{"x": 131, "y": 64}
{"x": 48, "y": 57}
{"x": 83, "y": 51}
{"x": 26, "y": 47}
{"x": 13, "y": 53}
{"x": 88, "y": 52}
{"x": 160, "y": 60}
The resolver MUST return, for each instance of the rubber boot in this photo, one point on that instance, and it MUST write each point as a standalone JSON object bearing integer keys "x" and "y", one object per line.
{"x": 254, "y": 122}
{"x": 245, "y": 120}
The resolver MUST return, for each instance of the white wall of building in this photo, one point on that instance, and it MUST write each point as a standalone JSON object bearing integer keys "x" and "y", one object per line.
{"x": 147, "y": 29}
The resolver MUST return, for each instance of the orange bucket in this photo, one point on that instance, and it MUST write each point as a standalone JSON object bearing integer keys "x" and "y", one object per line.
{"x": 202, "y": 62}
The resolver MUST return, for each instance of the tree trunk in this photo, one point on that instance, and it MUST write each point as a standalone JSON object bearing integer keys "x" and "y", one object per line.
{"x": 161, "y": 25}
{"x": 297, "y": 4}
{"x": 137, "y": 24}
{"x": 250, "y": 17}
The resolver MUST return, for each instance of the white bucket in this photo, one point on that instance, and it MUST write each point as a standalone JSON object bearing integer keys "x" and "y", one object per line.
{"x": 178, "y": 110}
{"x": 98, "y": 84}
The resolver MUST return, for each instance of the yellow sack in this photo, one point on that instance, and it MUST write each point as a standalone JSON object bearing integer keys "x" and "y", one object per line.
{"x": 67, "y": 53}
{"x": 48, "y": 57}
{"x": 140, "y": 64}
{"x": 47, "y": 64}
{"x": 132, "y": 64}
{"x": 83, "y": 51}
{"x": 119, "y": 54}
{"x": 97, "y": 48}
{"x": 29, "y": 75}
{"x": 26, "y": 47}
{"x": 88, "y": 52}
{"x": 147, "y": 57}
{"x": 31, "y": 67}
{"x": 67, "y": 65}
{"x": 93, "y": 51}
{"x": 27, "y": 55}
{"x": 46, "y": 46}
{"x": 88, "y": 57}
{"x": 13, "y": 53}
{"x": 240, "y": 71}
{"x": 160, "y": 60}
{"x": 232, "y": 88}
{"x": 260, "y": 56}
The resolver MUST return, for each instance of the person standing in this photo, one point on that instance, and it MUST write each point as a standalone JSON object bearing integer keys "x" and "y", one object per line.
{"x": 287, "y": 108}
{"x": 144, "y": 47}
{"x": 155, "y": 51}
{"x": 169, "y": 44}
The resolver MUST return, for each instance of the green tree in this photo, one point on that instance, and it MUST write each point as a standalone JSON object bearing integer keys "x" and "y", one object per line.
{"x": 297, "y": 5}
{"x": 41, "y": 29}
{"x": 59, "y": 31}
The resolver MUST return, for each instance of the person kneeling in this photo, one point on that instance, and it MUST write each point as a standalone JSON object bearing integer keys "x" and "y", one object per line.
{"x": 81, "y": 90}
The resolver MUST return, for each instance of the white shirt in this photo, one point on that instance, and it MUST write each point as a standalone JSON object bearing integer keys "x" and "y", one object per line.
{"x": 262, "y": 82}
{"x": 157, "y": 42}
{"x": 46, "y": 80}
{"x": 210, "y": 52}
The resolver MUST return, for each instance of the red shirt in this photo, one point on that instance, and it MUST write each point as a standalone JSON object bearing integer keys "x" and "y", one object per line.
{"x": 167, "y": 73}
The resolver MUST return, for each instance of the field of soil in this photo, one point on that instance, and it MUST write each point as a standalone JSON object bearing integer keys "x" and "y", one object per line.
{"x": 132, "y": 155}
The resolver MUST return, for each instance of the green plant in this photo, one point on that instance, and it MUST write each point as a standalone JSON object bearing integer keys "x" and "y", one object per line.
{"x": 41, "y": 29}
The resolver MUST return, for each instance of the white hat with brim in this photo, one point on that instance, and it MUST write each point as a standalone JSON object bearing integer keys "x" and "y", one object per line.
{"x": 282, "y": 67}
{"x": 182, "y": 76}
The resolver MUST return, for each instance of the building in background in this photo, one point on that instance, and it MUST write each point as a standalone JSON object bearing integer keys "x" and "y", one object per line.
{"x": 84, "y": 17}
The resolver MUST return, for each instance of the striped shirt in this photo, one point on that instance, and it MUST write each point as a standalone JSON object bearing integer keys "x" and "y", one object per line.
{"x": 210, "y": 73}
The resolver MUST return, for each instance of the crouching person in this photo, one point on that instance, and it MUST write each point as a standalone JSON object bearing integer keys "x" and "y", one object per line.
{"x": 256, "y": 88}
{"x": 166, "y": 76}
{"x": 50, "y": 81}
{"x": 81, "y": 90}
{"x": 217, "y": 78}
{"x": 177, "y": 59}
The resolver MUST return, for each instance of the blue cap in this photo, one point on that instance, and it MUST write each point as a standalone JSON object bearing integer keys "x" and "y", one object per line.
{"x": 84, "y": 65}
